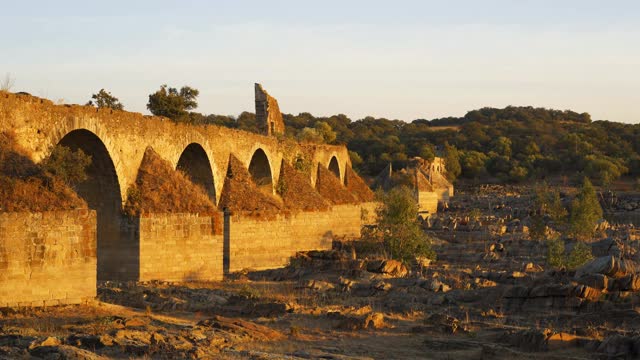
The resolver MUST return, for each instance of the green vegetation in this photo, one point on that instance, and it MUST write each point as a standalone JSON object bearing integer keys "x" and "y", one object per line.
{"x": 579, "y": 255}
{"x": 174, "y": 104}
{"x": 585, "y": 212}
{"x": 403, "y": 238}
{"x": 555, "y": 252}
{"x": 26, "y": 186}
{"x": 68, "y": 165}
{"x": 104, "y": 99}
{"x": 452, "y": 161}
{"x": 547, "y": 211}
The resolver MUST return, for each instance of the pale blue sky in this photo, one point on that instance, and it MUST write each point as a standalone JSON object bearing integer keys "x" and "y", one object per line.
{"x": 394, "y": 59}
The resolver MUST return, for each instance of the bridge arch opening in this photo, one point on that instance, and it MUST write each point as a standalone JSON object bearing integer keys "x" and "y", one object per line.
{"x": 101, "y": 191}
{"x": 260, "y": 171}
{"x": 195, "y": 163}
{"x": 334, "y": 167}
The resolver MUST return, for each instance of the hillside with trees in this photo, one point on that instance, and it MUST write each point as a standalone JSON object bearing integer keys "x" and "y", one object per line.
{"x": 508, "y": 145}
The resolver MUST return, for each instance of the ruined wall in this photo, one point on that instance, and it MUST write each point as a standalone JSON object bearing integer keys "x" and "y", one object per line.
{"x": 269, "y": 240}
{"x": 47, "y": 258}
{"x": 268, "y": 114}
{"x": 428, "y": 202}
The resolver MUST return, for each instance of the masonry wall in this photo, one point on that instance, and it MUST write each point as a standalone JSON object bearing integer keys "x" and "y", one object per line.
{"x": 47, "y": 258}
{"x": 269, "y": 240}
{"x": 428, "y": 201}
{"x": 180, "y": 247}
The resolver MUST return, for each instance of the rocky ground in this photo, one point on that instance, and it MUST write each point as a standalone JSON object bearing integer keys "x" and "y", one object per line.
{"x": 490, "y": 295}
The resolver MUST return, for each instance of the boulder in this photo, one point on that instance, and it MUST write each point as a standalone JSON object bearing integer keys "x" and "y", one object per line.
{"x": 627, "y": 283}
{"x": 618, "y": 346}
{"x": 50, "y": 341}
{"x": 596, "y": 281}
{"x": 607, "y": 265}
{"x": 354, "y": 322}
{"x": 389, "y": 267}
{"x": 63, "y": 352}
{"x": 532, "y": 340}
{"x": 318, "y": 285}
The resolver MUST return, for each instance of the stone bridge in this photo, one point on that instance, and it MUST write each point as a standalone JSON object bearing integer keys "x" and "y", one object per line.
{"x": 117, "y": 141}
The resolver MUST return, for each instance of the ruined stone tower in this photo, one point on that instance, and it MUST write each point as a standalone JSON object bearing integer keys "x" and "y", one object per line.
{"x": 268, "y": 114}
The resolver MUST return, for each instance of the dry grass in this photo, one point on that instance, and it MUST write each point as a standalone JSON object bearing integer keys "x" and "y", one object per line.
{"x": 357, "y": 186}
{"x": 240, "y": 193}
{"x": 296, "y": 190}
{"x": 161, "y": 189}
{"x": 329, "y": 186}
{"x": 25, "y": 186}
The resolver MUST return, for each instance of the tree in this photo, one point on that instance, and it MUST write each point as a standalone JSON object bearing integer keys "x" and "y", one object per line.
{"x": 518, "y": 173}
{"x": 546, "y": 205}
{"x": 171, "y": 103}
{"x": 473, "y": 163}
{"x": 247, "y": 122}
{"x": 585, "y": 212}
{"x": 452, "y": 161}
{"x": 104, "y": 99}
{"x": 579, "y": 255}
{"x": 309, "y": 135}
{"x": 602, "y": 169}
{"x": 325, "y": 130}
{"x": 427, "y": 153}
{"x": 356, "y": 160}
{"x": 403, "y": 238}
{"x": 502, "y": 146}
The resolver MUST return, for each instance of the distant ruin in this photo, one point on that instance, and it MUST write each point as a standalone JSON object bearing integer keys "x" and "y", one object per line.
{"x": 268, "y": 113}
{"x": 426, "y": 178}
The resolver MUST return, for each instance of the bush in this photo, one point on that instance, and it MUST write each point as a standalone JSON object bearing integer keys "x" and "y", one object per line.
{"x": 579, "y": 255}
{"x": 555, "y": 252}
{"x": 585, "y": 212}
{"x": 26, "y": 186}
{"x": 403, "y": 237}
{"x": 68, "y": 165}
{"x": 546, "y": 204}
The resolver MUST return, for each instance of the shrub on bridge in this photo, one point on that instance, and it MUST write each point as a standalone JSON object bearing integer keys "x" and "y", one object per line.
{"x": 26, "y": 186}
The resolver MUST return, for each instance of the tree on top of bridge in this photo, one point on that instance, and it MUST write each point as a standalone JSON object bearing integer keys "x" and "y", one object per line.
{"x": 104, "y": 99}
{"x": 171, "y": 103}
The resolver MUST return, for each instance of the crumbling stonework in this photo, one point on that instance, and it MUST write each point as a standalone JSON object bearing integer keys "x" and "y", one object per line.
{"x": 427, "y": 179}
{"x": 435, "y": 172}
{"x": 268, "y": 114}
{"x": 47, "y": 258}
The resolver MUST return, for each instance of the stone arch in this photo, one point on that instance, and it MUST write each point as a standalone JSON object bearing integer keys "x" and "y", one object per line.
{"x": 260, "y": 170}
{"x": 195, "y": 163}
{"x": 102, "y": 193}
{"x": 334, "y": 166}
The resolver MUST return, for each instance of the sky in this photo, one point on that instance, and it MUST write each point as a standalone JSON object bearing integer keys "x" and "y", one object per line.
{"x": 395, "y": 59}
